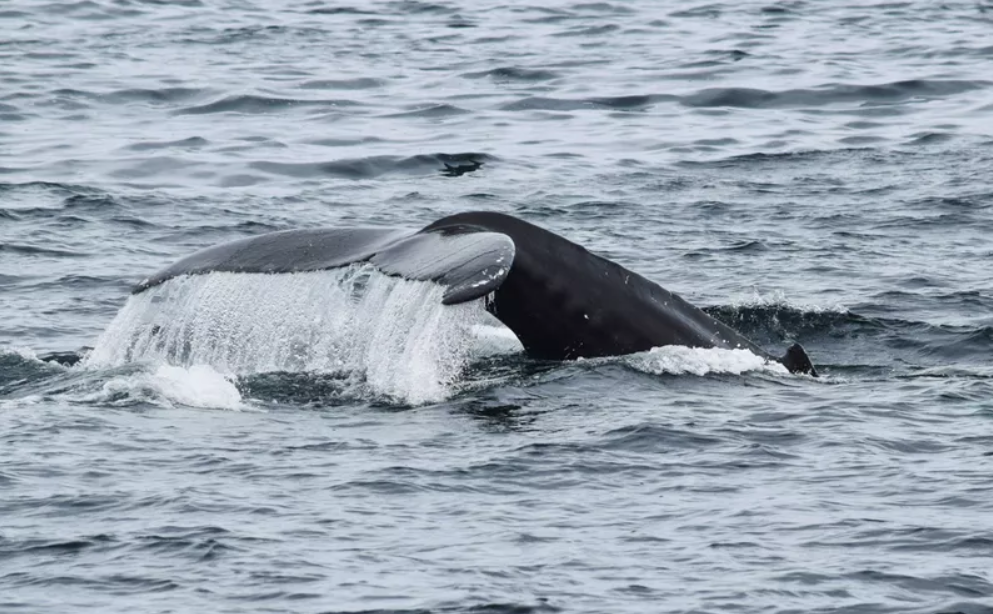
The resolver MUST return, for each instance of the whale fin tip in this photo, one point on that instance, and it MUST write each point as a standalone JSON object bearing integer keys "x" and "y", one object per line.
{"x": 797, "y": 361}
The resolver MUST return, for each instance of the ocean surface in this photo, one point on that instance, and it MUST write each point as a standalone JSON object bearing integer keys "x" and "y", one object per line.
{"x": 813, "y": 172}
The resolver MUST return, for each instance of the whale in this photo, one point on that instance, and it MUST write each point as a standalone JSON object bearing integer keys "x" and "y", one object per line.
{"x": 562, "y": 301}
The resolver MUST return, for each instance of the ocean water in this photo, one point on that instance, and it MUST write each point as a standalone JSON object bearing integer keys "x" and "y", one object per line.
{"x": 341, "y": 442}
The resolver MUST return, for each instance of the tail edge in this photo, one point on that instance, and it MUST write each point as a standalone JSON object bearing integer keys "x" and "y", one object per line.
{"x": 797, "y": 361}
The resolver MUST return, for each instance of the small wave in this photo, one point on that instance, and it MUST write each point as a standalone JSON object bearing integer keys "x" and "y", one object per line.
{"x": 15, "y": 117}
{"x": 514, "y": 73}
{"x": 42, "y": 197}
{"x": 52, "y": 547}
{"x": 620, "y": 103}
{"x": 90, "y": 202}
{"x": 417, "y": 7}
{"x": 118, "y": 584}
{"x": 166, "y": 95}
{"x": 360, "y": 83}
{"x": 769, "y": 159}
{"x": 193, "y": 142}
{"x": 961, "y": 342}
{"x": 372, "y": 166}
{"x": 930, "y": 138}
{"x": 784, "y": 320}
{"x": 27, "y": 378}
{"x": 969, "y": 372}
{"x": 144, "y": 168}
{"x": 258, "y": 105}
{"x": 253, "y": 34}
{"x": 160, "y": 96}
{"x": 939, "y": 211}
{"x": 84, "y": 9}
{"x": 324, "y": 389}
{"x": 474, "y": 608}
{"x": 498, "y": 607}
{"x": 18, "y": 365}
{"x": 76, "y": 283}
{"x": 603, "y": 7}
{"x": 201, "y": 544}
{"x": 737, "y": 246}
{"x": 340, "y": 10}
{"x": 775, "y": 321}
{"x": 584, "y": 31}
{"x": 432, "y": 111}
{"x": 751, "y": 98}
{"x": 37, "y": 250}
{"x": 654, "y": 438}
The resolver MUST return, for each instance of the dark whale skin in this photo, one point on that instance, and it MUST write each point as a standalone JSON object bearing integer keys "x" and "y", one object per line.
{"x": 564, "y": 302}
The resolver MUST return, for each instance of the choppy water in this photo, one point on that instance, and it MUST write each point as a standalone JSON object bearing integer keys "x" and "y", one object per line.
{"x": 811, "y": 171}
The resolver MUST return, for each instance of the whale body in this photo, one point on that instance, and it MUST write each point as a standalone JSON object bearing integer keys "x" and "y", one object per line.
{"x": 560, "y": 300}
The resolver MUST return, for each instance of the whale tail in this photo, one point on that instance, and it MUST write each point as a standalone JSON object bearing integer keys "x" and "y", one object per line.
{"x": 797, "y": 361}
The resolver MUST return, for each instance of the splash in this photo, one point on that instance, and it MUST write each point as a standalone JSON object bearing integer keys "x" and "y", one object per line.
{"x": 779, "y": 300}
{"x": 680, "y": 360}
{"x": 393, "y": 333}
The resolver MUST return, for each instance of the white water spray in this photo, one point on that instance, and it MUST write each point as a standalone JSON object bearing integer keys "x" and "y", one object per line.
{"x": 680, "y": 360}
{"x": 394, "y": 334}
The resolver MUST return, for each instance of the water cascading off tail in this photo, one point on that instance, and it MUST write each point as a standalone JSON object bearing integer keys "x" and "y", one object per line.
{"x": 392, "y": 333}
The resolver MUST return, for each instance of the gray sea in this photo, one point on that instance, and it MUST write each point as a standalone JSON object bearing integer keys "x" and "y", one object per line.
{"x": 809, "y": 171}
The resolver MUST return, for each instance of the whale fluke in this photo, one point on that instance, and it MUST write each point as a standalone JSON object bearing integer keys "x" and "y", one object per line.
{"x": 470, "y": 264}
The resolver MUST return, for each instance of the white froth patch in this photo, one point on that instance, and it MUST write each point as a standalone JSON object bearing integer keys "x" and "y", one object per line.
{"x": 681, "y": 360}
{"x": 779, "y": 299}
{"x": 197, "y": 386}
{"x": 169, "y": 386}
{"x": 395, "y": 334}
